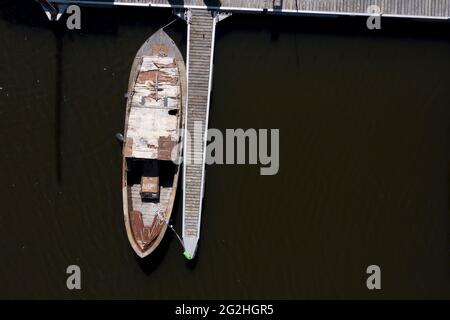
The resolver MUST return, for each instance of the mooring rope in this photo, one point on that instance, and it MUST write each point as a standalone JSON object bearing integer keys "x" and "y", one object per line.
{"x": 161, "y": 30}
{"x": 169, "y": 23}
{"x": 172, "y": 228}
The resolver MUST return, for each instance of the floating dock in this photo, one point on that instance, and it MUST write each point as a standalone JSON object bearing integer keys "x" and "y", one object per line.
{"x": 202, "y": 17}
{"x": 201, "y": 36}
{"x": 422, "y": 9}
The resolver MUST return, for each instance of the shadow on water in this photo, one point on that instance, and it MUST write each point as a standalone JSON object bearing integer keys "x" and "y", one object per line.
{"x": 58, "y": 33}
{"x": 12, "y": 11}
{"x": 150, "y": 263}
{"x": 34, "y": 17}
{"x": 191, "y": 264}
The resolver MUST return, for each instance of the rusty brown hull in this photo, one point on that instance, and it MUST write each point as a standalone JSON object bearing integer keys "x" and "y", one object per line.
{"x": 156, "y": 102}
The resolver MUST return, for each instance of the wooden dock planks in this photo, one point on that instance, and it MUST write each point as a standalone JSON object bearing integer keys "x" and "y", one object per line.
{"x": 200, "y": 51}
{"x": 433, "y": 9}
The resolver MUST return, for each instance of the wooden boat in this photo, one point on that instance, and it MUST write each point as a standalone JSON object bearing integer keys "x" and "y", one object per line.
{"x": 152, "y": 141}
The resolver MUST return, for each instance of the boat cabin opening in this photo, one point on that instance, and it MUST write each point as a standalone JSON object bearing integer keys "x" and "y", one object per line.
{"x": 150, "y": 180}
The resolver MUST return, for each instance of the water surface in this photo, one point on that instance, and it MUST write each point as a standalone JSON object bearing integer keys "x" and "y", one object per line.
{"x": 363, "y": 119}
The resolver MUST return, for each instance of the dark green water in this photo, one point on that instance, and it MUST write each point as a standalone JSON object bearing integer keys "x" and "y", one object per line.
{"x": 364, "y": 158}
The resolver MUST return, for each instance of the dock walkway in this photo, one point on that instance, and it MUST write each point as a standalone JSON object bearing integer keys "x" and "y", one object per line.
{"x": 201, "y": 34}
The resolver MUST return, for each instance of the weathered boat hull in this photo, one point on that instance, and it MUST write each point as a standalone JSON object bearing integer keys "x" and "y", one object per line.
{"x": 156, "y": 102}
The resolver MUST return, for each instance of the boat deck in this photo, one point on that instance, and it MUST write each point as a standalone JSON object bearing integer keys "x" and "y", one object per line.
{"x": 149, "y": 209}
